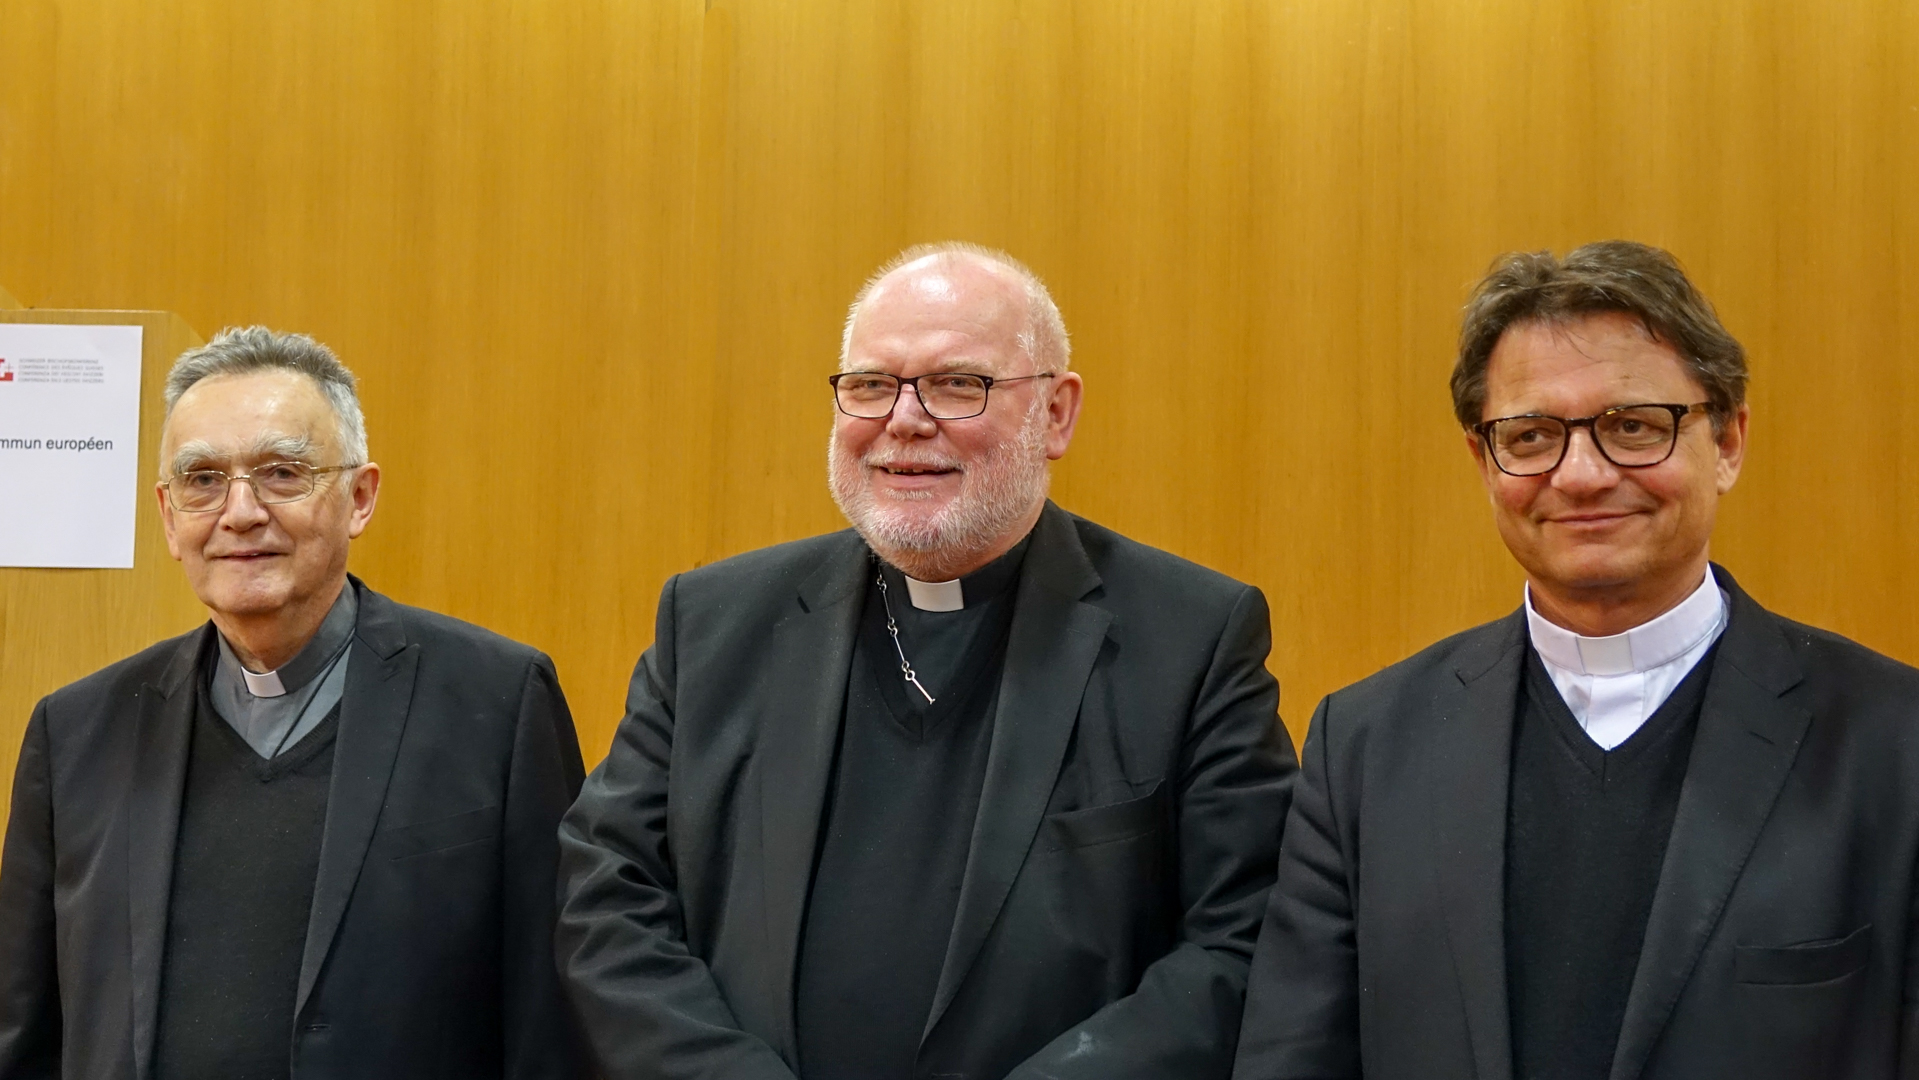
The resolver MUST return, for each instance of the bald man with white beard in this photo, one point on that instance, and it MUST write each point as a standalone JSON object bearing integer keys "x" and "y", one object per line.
{"x": 976, "y": 788}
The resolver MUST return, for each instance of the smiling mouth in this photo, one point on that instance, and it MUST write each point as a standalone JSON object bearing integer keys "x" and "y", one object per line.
{"x": 1592, "y": 519}
{"x": 915, "y": 470}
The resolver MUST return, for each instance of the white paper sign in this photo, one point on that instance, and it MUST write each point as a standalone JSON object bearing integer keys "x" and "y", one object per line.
{"x": 69, "y": 444}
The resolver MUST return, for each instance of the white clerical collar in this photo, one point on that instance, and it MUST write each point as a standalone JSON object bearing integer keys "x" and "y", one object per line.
{"x": 314, "y": 658}
{"x": 259, "y": 684}
{"x": 266, "y": 684}
{"x": 936, "y": 595}
{"x": 1643, "y": 648}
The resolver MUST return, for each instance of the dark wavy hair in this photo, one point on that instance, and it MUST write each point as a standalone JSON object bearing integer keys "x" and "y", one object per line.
{"x": 1611, "y": 275}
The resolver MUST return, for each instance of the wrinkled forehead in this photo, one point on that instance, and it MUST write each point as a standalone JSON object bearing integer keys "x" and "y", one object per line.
{"x": 278, "y": 415}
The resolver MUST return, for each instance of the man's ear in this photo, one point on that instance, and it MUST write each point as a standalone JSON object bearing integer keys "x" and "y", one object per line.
{"x": 1731, "y": 441}
{"x": 1062, "y": 413}
{"x": 1477, "y": 447}
{"x": 365, "y": 494}
{"x": 166, "y": 520}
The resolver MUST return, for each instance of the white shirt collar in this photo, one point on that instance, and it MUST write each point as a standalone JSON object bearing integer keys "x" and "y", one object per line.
{"x": 315, "y": 657}
{"x": 266, "y": 684}
{"x": 1641, "y": 649}
{"x": 936, "y": 595}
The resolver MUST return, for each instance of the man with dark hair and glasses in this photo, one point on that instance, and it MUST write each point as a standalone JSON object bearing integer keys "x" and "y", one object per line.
{"x": 1640, "y": 829}
{"x": 314, "y": 837}
{"x": 976, "y": 788}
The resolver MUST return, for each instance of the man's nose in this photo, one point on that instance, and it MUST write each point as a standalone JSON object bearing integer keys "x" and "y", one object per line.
{"x": 243, "y": 509}
{"x": 1584, "y": 468}
{"x": 909, "y": 418}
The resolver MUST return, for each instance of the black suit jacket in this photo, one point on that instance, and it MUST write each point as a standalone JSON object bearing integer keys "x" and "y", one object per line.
{"x": 1126, "y": 835}
{"x": 1779, "y": 939}
{"x": 429, "y": 947}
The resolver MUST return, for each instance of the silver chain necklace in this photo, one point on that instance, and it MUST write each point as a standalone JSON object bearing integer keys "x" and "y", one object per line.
{"x": 893, "y": 628}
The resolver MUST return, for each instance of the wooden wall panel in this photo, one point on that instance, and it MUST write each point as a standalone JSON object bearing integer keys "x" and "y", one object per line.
{"x": 591, "y": 260}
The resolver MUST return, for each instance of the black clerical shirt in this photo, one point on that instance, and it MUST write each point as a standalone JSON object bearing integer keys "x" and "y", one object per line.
{"x": 899, "y": 823}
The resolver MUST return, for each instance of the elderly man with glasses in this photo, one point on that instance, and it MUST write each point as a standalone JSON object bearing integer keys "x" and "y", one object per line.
{"x": 314, "y": 837}
{"x": 1641, "y": 828}
{"x": 974, "y": 789}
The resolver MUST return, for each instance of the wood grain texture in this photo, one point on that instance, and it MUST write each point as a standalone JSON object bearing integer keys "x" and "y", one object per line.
{"x": 591, "y": 260}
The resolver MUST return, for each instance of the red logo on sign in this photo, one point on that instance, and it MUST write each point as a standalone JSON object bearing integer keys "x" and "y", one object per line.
{"x": 6, "y": 369}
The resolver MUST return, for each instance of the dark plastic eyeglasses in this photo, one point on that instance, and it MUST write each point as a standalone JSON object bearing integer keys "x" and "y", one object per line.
{"x": 1630, "y": 436}
{"x": 945, "y": 395}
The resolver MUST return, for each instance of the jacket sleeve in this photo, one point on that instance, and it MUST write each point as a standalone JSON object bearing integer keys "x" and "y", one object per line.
{"x": 29, "y": 983}
{"x": 651, "y": 1007}
{"x": 1909, "y": 1004}
{"x": 1302, "y": 1004}
{"x": 1236, "y": 781}
{"x": 542, "y": 1040}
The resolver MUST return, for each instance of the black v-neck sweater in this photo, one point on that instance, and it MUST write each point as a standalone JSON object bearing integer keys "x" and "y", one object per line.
{"x": 1586, "y": 835}
{"x": 244, "y": 868}
{"x": 898, "y": 826}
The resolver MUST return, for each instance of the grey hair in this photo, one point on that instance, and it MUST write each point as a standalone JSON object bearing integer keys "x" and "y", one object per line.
{"x": 241, "y": 350}
{"x": 1044, "y": 339}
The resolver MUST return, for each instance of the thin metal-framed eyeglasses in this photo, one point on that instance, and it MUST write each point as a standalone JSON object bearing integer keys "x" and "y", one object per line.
{"x": 945, "y": 395}
{"x": 1629, "y": 436}
{"x": 201, "y": 491}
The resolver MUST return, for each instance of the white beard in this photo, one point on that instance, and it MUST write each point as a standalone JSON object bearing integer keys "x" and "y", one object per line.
{"x": 996, "y": 494}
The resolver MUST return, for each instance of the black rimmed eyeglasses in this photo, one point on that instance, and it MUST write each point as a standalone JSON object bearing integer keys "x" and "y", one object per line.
{"x": 1630, "y": 436}
{"x": 945, "y": 395}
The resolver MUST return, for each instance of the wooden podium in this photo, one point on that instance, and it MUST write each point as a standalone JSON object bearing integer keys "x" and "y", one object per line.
{"x": 58, "y": 625}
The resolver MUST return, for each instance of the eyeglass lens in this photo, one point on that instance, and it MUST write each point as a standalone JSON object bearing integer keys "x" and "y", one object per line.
{"x": 945, "y": 396}
{"x": 1637, "y": 436}
{"x": 206, "y": 489}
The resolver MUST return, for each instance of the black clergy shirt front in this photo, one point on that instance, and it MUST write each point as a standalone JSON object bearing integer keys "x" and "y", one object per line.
{"x": 899, "y": 822}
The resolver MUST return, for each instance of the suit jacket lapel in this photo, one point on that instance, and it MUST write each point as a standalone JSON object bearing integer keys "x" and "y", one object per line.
{"x": 1052, "y": 645}
{"x": 1742, "y": 752}
{"x": 162, "y": 745}
{"x": 1471, "y": 754}
{"x": 812, "y": 652}
{"x": 373, "y": 714}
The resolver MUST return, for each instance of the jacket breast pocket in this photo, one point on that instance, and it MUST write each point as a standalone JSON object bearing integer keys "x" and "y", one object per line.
{"x": 440, "y": 834}
{"x": 1096, "y": 825}
{"x": 1803, "y": 964}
